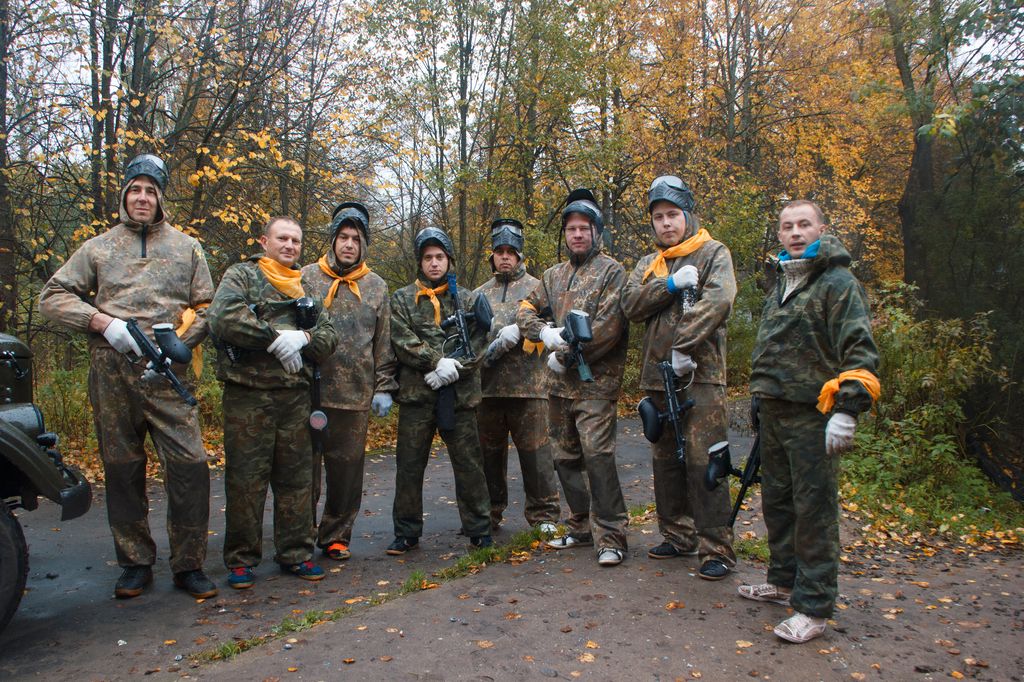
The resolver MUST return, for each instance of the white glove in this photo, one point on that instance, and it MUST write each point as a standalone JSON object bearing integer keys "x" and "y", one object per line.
{"x": 292, "y": 363}
{"x": 381, "y": 404}
{"x": 508, "y": 337}
{"x": 448, "y": 370}
{"x": 686, "y": 276}
{"x": 552, "y": 338}
{"x": 839, "y": 433}
{"x": 288, "y": 342}
{"x": 554, "y": 365}
{"x": 682, "y": 364}
{"x": 150, "y": 374}
{"x": 117, "y": 336}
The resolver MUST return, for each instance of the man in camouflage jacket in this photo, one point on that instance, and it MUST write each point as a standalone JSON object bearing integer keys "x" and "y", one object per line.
{"x": 582, "y": 414}
{"x": 691, "y": 519}
{"x": 146, "y": 269}
{"x": 512, "y": 379}
{"x": 357, "y": 378}
{"x": 814, "y": 371}
{"x": 263, "y": 360}
{"x": 417, "y": 311}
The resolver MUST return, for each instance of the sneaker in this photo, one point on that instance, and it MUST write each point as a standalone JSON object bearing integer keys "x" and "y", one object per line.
{"x": 765, "y": 592}
{"x": 800, "y": 628}
{"x": 402, "y": 545}
{"x": 547, "y": 528}
{"x": 713, "y": 569}
{"x": 609, "y": 556}
{"x": 337, "y": 551}
{"x": 568, "y": 541}
{"x": 482, "y": 541}
{"x": 133, "y": 581}
{"x": 306, "y": 570}
{"x": 195, "y": 583}
{"x": 241, "y": 578}
{"x": 667, "y": 550}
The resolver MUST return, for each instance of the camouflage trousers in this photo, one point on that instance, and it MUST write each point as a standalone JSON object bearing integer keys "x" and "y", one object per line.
{"x": 266, "y": 442}
{"x": 526, "y": 419}
{"x": 583, "y": 432}
{"x": 689, "y": 516}
{"x": 343, "y": 454}
{"x": 125, "y": 409}
{"x": 416, "y": 427}
{"x": 800, "y": 498}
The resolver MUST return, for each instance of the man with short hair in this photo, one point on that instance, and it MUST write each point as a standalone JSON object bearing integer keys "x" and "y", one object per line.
{"x": 814, "y": 371}
{"x": 419, "y": 342}
{"x": 581, "y": 413}
{"x": 146, "y": 269}
{"x": 358, "y": 378}
{"x": 266, "y": 328}
{"x": 691, "y": 519}
{"x": 515, "y": 401}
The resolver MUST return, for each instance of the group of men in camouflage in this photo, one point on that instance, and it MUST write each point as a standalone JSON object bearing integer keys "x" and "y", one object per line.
{"x": 276, "y": 328}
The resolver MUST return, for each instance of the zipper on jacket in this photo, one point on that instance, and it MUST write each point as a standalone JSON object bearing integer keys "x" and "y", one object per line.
{"x": 504, "y": 291}
{"x": 142, "y": 235}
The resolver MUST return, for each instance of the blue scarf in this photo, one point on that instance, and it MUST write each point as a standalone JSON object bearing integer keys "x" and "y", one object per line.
{"x": 810, "y": 252}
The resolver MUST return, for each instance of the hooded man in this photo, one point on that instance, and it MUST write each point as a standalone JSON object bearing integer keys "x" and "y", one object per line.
{"x": 146, "y": 269}
{"x": 582, "y": 414}
{"x": 814, "y": 371}
{"x": 691, "y": 336}
{"x": 358, "y": 378}
{"x": 514, "y": 399}
{"x": 268, "y": 332}
{"x": 419, "y": 342}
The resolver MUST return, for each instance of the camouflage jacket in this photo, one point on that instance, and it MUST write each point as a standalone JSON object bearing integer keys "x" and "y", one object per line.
{"x": 417, "y": 342}
{"x": 700, "y": 332}
{"x": 153, "y": 273}
{"x": 364, "y": 363}
{"x": 821, "y": 330}
{"x": 232, "y": 321}
{"x": 594, "y": 287}
{"x": 513, "y": 374}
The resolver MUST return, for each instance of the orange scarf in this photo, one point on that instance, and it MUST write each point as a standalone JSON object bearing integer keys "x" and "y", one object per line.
{"x": 350, "y": 279}
{"x": 827, "y": 397}
{"x": 286, "y": 280}
{"x": 658, "y": 266}
{"x": 528, "y": 345}
{"x": 187, "y": 318}
{"x": 427, "y": 292}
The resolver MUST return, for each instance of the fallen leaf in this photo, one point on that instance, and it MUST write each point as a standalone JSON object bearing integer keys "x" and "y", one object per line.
{"x": 293, "y": 670}
{"x": 485, "y": 644}
{"x": 566, "y": 628}
{"x": 386, "y": 658}
{"x": 382, "y": 583}
{"x": 591, "y": 644}
{"x": 348, "y": 661}
{"x": 360, "y": 627}
{"x": 975, "y": 662}
{"x": 858, "y": 676}
{"x": 169, "y": 642}
{"x": 463, "y": 596}
{"x": 355, "y": 600}
{"x": 392, "y": 630}
{"x": 957, "y": 675}
{"x": 743, "y": 644}
{"x": 673, "y": 605}
{"x": 512, "y": 615}
{"x": 696, "y": 674}
{"x": 586, "y": 658}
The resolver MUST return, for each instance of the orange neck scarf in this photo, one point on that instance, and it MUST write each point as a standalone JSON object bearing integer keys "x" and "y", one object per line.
{"x": 658, "y": 266}
{"x": 350, "y": 279}
{"x": 187, "y": 318}
{"x": 286, "y": 280}
{"x": 427, "y": 292}
{"x": 827, "y": 397}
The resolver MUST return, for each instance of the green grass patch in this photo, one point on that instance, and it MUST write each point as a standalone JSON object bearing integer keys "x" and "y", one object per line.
{"x": 752, "y": 549}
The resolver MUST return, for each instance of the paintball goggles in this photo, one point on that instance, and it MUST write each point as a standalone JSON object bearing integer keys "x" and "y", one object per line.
{"x": 168, "y": 347}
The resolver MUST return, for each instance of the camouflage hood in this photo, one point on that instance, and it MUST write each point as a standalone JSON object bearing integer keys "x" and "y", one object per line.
{"x": 122, "y": 212}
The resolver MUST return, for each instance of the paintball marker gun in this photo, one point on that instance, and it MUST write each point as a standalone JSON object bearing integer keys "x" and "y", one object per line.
{"x": 654, "y": 421}
{"x": 306, "y": 315}
{"x": 170, "y": 348}
{"x": 457, "y": 345}
{"x": 577, "y": 331}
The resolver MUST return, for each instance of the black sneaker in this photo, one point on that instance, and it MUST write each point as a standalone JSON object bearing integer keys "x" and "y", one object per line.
{"x": 713, "y": 569}
{"x": 133, "y": 581}
{"x": 482, "y": 541}
{"x": 401, "y": 545}
{"x": 195, "y": 583}
{"x": 665, "y": 550}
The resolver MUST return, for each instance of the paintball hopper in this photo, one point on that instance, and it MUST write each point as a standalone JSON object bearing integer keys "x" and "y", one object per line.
{"x": 318, "y": 420}
{"x": 577, "y": 331}
{"x": 651, "y": 419}
{"x": 306, "y": 313}
{"x": 719, "y": 465}
{"x": 170, "y": 345}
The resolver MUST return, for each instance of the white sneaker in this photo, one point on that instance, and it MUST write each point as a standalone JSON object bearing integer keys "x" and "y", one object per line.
{"x": 800, "y": 628}
{"x": 764, "y": 592}
{"x": 567, "y": 542}
{"x": 609, "y": 556}
{"x": 547, "y": 528}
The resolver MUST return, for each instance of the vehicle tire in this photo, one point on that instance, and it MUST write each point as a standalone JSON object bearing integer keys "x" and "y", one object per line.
{"x": 13, "y": 564}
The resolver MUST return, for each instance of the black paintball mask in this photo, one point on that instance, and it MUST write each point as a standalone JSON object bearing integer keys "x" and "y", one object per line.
{"x": 506, "y": 232}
